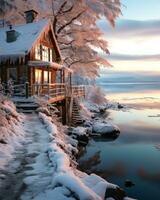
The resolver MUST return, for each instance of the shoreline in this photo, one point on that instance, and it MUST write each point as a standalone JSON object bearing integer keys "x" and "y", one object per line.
{"x": 58, "y": 172}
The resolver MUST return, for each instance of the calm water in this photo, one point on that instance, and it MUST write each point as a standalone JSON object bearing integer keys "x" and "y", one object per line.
{"x": 135, "y": 154}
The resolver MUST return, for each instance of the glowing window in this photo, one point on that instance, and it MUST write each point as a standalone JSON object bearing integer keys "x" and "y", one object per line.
{"x": 38, "y": 52}
{"x": 51, "y": 55}
{"x": 46, "y": 77}
{"x": 38, "y": 76}
{"x": 45, "y": 53}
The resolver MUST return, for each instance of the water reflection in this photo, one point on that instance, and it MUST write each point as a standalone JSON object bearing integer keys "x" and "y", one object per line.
{"x": 157, "y": 146}
{"x": 148, "y": 176}
{"x": 135, "y": 154}
{"x": 105, "y": 138}
{"x": 90, "y": 165}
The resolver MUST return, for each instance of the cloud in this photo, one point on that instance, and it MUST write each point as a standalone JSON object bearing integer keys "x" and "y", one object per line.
{"x": 133, "y": 40}
{"x": 110, "y": 76}
{"x": 132, "y": 28}
{"x": 125, "y": 57}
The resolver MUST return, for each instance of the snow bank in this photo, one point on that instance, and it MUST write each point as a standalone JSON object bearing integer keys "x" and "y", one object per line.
{"x": 11, "y": 131}
{"x": 99, "y": 108}
{"x": 65, "y": 175}
{"x": 78, "y": 131}
{"x": 85, "y": 112}
{"x": 93, "y": 107}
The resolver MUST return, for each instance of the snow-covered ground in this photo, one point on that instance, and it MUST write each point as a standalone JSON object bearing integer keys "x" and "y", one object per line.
{"x": 55, "y": 170}
{"x": 38, "y": 162}
{"x": 11, "y": 131}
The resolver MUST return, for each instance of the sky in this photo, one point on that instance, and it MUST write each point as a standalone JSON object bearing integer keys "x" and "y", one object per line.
{"x": 134, "y": 43}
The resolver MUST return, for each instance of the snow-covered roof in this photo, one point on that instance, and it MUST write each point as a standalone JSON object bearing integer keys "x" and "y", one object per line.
{"x": 28, "y": 33}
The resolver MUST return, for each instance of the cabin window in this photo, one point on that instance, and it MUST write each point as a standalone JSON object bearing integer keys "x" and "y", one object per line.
{"x": 45, "y": 53}
{"x": 12, "y": 74}
{"x": 46, "y": 77}
{"x": 38, "y": 52}
{"x": 51, "y": 55}
{"x": 38, "y": 76}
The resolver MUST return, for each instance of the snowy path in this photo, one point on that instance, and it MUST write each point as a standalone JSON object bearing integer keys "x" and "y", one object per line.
{"x": 43, "y": 168}
{"x": 20, "y": 172}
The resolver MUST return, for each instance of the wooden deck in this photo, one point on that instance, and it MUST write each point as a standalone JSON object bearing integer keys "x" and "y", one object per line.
{"x": 56, "y": 99}
{"x": 54, "y": 92}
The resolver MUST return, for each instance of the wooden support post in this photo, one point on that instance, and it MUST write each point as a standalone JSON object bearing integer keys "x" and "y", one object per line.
{"x": 67, "y": 103}
{"x": 63, "y": 76}
{"x": 48, "y": 84}
{"x": 64, "y": 111}
{"x": 48, "y": 91}
{"x": 70, "y": 110}
{"x": 27, "y": 89}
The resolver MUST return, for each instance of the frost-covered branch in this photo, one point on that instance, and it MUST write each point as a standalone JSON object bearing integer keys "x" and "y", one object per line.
{"x": 70, "y": 21}
{"x": 75, "y": 27}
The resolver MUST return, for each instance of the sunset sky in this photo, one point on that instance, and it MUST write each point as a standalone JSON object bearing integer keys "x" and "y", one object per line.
{"x": 134, "y": 44}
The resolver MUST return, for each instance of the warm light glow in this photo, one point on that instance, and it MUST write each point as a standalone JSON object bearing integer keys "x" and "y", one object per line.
{"x": 135, "y": 46}
{"x": 142, "y": 96}
{"x": 135, "y": 66}
{"x": 46, "y": 77}
{"x": 38, "y": 76}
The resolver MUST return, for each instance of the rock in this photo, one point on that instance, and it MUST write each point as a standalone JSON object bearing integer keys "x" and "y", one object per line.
{"x": 2, "y": 141}
{"x": 87, "y": 124}
{"x": 129, "y": 183}
{"x": 93, "y": 116}
{"x": 119, "y": 106}
{"x": 102, "y": 110}
{"x": 82, "y": 139}
{"x": 79, "y": 130}
{"x": 80, "y": 133}
{"x": 88, "y": 127}
{"x": 2, "y": 176}
{"x": 70, "y": 130}
{"x": 105, "y": 129}
{"x": 116, "y": 193}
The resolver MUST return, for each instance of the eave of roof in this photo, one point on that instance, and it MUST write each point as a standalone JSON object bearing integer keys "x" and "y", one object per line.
{"x": 39, "y": 63}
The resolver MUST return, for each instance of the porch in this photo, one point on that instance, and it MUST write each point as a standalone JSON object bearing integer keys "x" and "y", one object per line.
{"x": 53, "y": 92}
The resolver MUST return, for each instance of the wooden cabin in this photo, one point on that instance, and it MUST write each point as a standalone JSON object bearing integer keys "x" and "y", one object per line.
{"x": 30, "y": 56}
{"x": 29, "y": 52}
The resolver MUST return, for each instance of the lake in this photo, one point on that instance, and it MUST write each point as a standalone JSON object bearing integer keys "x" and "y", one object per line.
{"x": 135, "y": 154}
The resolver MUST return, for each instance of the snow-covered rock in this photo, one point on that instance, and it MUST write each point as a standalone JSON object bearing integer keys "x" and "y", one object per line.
{"x": 105, "y": 129}
{"x": 96, "y": 108}
{"x": 97, "y": 125}
{"x": 81, "y": 134}
{"x": 92, "y": 107}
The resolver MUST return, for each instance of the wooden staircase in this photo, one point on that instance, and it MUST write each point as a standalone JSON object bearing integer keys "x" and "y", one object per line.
{"x": 25, "y": 105}
{"x": 76, "y": 116}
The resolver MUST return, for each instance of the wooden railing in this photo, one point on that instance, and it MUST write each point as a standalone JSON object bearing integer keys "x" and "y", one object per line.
{"x": 78, "y": 90}
{"x": 57, "y": 89}
{"x": 14, "y": 89}
{"x": 49, "y": 90}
